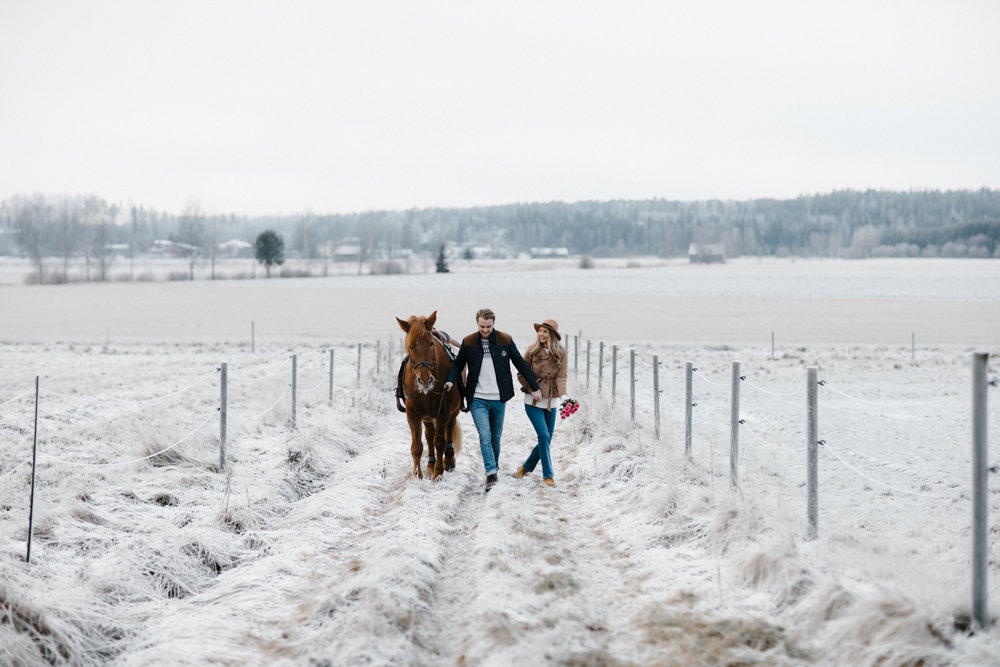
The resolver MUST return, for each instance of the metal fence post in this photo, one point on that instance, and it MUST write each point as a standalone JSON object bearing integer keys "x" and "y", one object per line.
{"x": 980, "y": 492}
{"x": 588, "y": 363}
{"x": 378, "y": 358}
{"x": 614, "y": 372}
{"x": 631, "y": 384}
{"x": 359, "y": 364}
{"x": 688, "y": 405}
{"x": 734, "y": 428}
{"x": 253, "y": 340}
{"x": 295, "y": 379}
{"x": 576, "y": 357}
{"x": 34, "y": 461}
{"x": 600, "y": 368}
{"x": 812, "y": 449}
{"x": 331, "y": 376}
{"x": 223, "y": 413}
{"x": 656, "y": 395}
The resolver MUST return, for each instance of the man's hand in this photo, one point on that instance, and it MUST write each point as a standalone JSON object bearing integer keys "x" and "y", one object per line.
{"x": 448, "y": 386}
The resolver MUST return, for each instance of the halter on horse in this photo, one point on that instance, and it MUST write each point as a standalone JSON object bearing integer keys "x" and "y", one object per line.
{"x": 425, "y": 400}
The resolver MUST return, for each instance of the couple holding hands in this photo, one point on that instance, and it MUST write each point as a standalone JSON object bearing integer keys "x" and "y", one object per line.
{"x": 542, "y": 374}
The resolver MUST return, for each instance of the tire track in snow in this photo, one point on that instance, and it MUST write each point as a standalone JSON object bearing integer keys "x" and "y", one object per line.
{"x": 532, "y": 575}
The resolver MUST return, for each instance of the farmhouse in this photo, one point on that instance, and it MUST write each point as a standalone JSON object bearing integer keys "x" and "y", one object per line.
{"x": 707, "y": 253}
{"x": 537, "y": 253}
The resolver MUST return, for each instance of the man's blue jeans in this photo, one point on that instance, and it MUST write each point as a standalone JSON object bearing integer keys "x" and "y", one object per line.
{"x": 488, "y": 416}
{"x": 544, "y": 422}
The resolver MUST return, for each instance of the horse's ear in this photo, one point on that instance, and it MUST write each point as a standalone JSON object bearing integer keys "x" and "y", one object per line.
{"x": 405, "y": 326}
{"x": 431, "y": 319}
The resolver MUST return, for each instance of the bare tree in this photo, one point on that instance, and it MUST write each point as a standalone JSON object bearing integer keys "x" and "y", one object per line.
{"x": 102, "y": 240}
{"x": 305, "y": 242}
{"x": 33, "y": 231}
{"x": 131, "y": 243}
{"x": 368, "y": 231}
{"x": 67, "y": 233}
{"x": 214, "y": 241}
{"x": 191, "y": 231}
{"x": 863, "y": 240}
{"x": 98, "y": 218}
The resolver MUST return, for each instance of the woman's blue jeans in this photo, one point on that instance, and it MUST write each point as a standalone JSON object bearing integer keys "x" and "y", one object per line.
{"x": 488, "y": 417}
{"x": 544, "y": 422}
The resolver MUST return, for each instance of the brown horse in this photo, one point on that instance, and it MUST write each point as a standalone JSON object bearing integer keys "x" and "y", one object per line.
{"x": 427, "y": 402}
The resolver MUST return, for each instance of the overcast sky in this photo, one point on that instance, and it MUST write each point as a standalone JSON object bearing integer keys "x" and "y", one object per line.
{"x": 279, "y": 107}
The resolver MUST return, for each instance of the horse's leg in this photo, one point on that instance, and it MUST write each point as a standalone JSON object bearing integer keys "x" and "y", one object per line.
{"x": 430, "y": 433}
{"x": 439, "y": 448}
{"x": 449, "y": 447}
{"x": 416, "y": 446}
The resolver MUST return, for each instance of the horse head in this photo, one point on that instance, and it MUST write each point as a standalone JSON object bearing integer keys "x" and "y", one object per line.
{"x": 421, "y": 350}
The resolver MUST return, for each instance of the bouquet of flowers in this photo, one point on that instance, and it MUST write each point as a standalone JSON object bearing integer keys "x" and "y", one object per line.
{"x": 568, "y": 407}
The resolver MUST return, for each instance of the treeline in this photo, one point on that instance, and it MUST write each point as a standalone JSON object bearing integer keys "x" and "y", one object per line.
{"x": 848, "y": 223}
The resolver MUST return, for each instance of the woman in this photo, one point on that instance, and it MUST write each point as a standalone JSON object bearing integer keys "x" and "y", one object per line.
{"x": 548, "y": 361}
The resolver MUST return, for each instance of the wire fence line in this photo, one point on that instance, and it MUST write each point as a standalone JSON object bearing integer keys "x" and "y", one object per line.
{"x": 244, "y": 410}
{"x": 138, "y": 460}
{"x": 137, "y": 401}
{"x": 710, "y": 409}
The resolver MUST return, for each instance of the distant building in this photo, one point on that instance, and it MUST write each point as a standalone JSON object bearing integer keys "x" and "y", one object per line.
{"x": 707, "y": 253}
{"x": 347, "y": 252}
{"x": 235, "y": 248}
{"x": 548, "y": 253}
{"x": 173, "y": 249}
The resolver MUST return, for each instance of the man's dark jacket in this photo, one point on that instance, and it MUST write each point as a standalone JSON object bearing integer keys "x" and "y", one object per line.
{"x": 504, "y": 351}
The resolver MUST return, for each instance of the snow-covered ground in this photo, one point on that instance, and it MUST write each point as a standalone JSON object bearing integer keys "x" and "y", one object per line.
{"x": 742, "y": 302}
{"x": 314, "y": 545}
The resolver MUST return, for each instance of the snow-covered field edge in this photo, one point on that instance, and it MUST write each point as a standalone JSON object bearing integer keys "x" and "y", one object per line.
{"x": 315, "y": 545}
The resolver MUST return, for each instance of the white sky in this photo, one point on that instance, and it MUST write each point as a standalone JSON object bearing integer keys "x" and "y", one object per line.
{"x": 278, "y": 107}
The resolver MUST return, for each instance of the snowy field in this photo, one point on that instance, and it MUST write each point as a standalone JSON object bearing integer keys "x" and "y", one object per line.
{"x": 879, "y": 302}
{"x": 314, "y": 546}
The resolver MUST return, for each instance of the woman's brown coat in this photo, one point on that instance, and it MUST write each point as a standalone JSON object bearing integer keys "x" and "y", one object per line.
{"x": 551, "y": 376}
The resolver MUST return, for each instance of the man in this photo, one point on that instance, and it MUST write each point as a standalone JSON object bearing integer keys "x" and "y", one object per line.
{"x": 489, "y": 354}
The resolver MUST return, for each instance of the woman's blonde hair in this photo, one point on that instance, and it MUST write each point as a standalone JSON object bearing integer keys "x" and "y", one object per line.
{"x": 555, "y": 348}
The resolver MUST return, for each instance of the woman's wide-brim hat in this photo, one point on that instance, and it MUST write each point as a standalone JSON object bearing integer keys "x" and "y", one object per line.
{"x": 552, "y": 326}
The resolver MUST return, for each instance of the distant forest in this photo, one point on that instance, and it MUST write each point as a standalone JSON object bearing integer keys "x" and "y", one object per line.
{"x": 847, "y": 223}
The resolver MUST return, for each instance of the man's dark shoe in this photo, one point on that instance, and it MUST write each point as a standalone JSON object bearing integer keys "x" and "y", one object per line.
{"x": 491, "y": 481}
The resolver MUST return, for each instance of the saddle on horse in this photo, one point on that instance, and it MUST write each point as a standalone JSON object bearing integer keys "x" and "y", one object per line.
{"x": 442, "y": 338}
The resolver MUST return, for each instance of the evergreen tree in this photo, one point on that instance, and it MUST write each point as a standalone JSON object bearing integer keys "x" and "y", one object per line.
{"x": 442, "y": 264}
{"x": 270, "y": 249}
